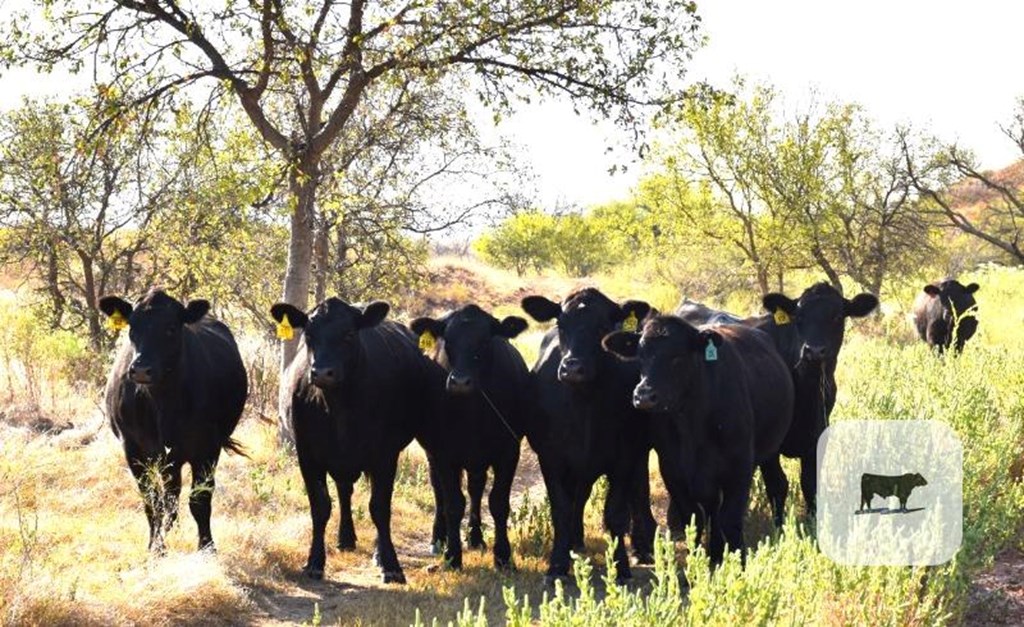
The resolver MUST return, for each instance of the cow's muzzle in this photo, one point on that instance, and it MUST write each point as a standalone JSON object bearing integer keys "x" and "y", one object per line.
{"x": 323, "y": 377}
{"x": 644, "y": 397}
{"x": 572, "y": 370}
{"x": 140, "y": 374}
{"x": 813, "y": 353}
{"x": 459, "y": 383}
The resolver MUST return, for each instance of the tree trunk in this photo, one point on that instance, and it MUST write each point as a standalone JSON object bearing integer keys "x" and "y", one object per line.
{"x": 299, "y": 269}
{"x": 300, "y": 252}
{"x": 91, "y": 307}
{"x": 53, "y": 285}
{"x": 762, "y": 280}
{"x": 321, "y": 260}
{"x": 826, "y": 266}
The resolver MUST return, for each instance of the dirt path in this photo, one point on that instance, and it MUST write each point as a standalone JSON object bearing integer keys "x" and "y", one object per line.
{"x": 997, "y": 596}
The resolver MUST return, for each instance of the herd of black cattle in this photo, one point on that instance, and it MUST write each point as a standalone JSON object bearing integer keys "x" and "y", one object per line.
{"x": 713, "y": 394}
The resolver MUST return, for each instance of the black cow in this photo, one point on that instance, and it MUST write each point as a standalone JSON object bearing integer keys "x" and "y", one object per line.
{"x": 174, "y": 396}
{"x": 487, "y": 415}
{"x": 885, "y": 486}
{"x": 944, "y": 314}
{"x": 588, "y": 427}
{"x": 356, "y": 394}
{"x": 808, "y": 333}
{"x": 721, "y": 402}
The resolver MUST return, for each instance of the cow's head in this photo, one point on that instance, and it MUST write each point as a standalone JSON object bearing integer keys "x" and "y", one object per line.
{"x": 583, "y": 318}
{"x": 958, "y": 304}
{"x": 331, "y": 335}
{"x": 671, "y": 353}
{"x": 820, "y": 318}
{"x": 467, "y": 335}
{"x": 917, "y": 480}
{"x": 155, "y": 327}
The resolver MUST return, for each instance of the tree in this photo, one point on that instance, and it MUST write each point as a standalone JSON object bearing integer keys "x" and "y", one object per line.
{"x": 985, "y": 205}
{"x": 821, "y": 188}
{"x": 521, "y": 241}
{"x": 579, "y": 246}
{"x": 76, "y": 206}
{"x": 300, "y": 73}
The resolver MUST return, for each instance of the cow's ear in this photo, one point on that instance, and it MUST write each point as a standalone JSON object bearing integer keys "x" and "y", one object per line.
{"x": 296, "y": 317}
{"x": 861, "y": 305}
{"x": 931, "y": 290}
{"x": 420, "y": 326}
{"x": 373, "y": 314}
{"x": 111, "y": 304}
{"x": 622, "y": 344}
{"x": 971, "y": 288}
{"x": 775, "y": 301}
{"x": 636, "y": 308}
{"x": 540, "y": 308}
{"x": 195, "y": 310}
{"x": 510, "y": 327}
{"x": 704, "y": 336}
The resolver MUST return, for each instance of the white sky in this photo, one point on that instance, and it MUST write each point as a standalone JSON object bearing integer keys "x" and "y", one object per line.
{"x": 951, "y": 68}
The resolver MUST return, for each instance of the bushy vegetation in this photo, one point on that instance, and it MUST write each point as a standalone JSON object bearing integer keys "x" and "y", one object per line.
{"x": 74, "y": 531}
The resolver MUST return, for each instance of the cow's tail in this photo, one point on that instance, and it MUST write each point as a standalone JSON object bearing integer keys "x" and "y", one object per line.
{"x": 234, "y": 446}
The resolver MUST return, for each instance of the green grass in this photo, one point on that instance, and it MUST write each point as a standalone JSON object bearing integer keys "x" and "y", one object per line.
{"x": 73, "y": 533}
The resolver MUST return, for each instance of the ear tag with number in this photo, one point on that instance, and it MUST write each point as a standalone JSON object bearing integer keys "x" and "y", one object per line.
{"x": 284, "y": 328}
{"x": 116, "y": 321}
{"x": 711, "y": 352}
{"x": 427, "y": 341}
{"x": 630, "y": 323}
{"x": 781, "y": 317}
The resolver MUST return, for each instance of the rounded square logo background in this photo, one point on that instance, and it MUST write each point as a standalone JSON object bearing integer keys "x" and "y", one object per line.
{"x": 929, "y": 531}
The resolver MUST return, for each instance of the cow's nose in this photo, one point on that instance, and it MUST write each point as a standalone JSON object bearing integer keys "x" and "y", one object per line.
{"x": 644, "y": 397}
{"x": 459, "y": 383}
{"x": 323, "y": 377}
{"x": 571, "y": 369}
{"x": 812, "y": 353}
{"x": 140, "y": 374}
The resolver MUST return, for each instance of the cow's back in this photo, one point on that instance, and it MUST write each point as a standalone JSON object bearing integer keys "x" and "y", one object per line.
{"x": 767, "y": 382}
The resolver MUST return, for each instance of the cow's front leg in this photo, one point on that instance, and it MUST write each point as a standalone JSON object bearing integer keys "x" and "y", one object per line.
{"x": 450, "y": 477}
{"x": 616, "y": 521}
{"x": 475, "y": 484}
{"x": 382, "y": 485}
{"x": 776, "y": 487}
{"x": 346, "y": 526}
{"x": 504, "y": 473}
{"x": 146, "y": 470}
{"x": 315, "y": 480}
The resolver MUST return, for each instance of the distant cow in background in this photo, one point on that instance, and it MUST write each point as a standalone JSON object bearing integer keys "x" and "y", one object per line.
{"x": 944, "y": 314}
{"x": 488, "y": 412}
{"x": 174, "y": 396}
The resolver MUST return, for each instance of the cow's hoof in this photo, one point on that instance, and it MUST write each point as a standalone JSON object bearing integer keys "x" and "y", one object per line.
{"x": 313, "y": 572}
{"x": 476, "y": 543}
{"x": 644, "y": 557}
{"x": 209, "y": 547}
{"x": 436, "y": 547}
{"x": 347, "y": 545}
{"x": 621, "y": 580}
{"x": 393, "y": 576}
{"x": 453, "y": 563}
{"x": 550, "y": 580}
{"x": 504, "y": 565}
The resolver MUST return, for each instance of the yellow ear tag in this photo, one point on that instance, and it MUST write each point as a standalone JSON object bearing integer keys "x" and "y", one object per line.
{"x": 427, "y": 342}
{"x": 284, "y": 329}
{"x": 781, "y": 317}
{"x": 630, "y": 323}
{"x": 116, "y": 322}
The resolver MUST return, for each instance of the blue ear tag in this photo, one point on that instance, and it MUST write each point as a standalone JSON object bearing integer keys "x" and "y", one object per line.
{"x": 711, "y": 353}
